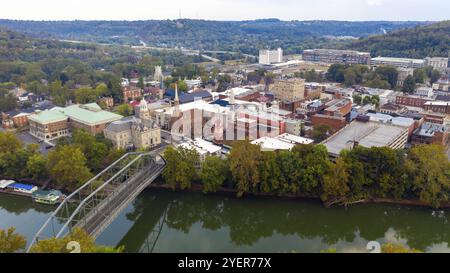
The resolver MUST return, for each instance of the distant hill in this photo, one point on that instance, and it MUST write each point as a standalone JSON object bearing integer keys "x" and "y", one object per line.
{"x": 419, "y": 42}
{"x": 244, "y": 36}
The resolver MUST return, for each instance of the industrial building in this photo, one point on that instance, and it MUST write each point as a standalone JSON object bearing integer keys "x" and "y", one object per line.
{"x": 369, "y": 133}
{"x": 332, "y": 56}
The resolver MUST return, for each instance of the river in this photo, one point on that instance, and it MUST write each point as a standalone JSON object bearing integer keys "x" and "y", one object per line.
{"x": 164, "y": 221}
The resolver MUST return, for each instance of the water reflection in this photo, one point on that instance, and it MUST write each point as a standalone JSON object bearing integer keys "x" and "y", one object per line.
{"x": 228, "y": 224}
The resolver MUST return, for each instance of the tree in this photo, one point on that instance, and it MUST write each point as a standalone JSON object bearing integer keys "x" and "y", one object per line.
{"x": 125, "y": 110}
{"x": 213, "y": 173}
{"x": 435, "y": 76}
{"x": 140, "y": 83}
{"x": 67, "y": 167}
{"x": 101, "y": 89}
{"x": 357, "y": 99}
{"x": 377, "y": 82}
{"x": 310, "y": 164}
{"x": 420, "y": 75}
{"x": 321, "y": 132}
{"x": 367, "y": 100}
{"x": 86, "y": 243}
{"x": 429, "y": 169}
{"x": 409, "y": 85}
{"x": 270, "y": 172}
{"x": 37, "y": 167}
{"x": 93, "y": 149}
{"x": 387, "y": 73}
{"x": 397, "y": 248}
{"x": 11, "y": 242}
{"x": 336, "y": 73}
{"x": 85, "y": 95}
{"x": 244, "y": 166}
{"x": 181, "y": 165}
{"x": 350, "y": 77}
{"x": 9, "y": 143}
{"x": 335, "y": 182}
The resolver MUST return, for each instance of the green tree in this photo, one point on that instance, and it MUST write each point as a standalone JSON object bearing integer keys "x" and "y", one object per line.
{"x": 336, "y": 183}
{"x": 336, "y": 73}
{"x": 11, "y": 242}
{"x": 409, "y": 85}
{"x": 387, "y": 73}
{"x": 435, "y": 76}
{"x": 321, "y": 132}
{"x": 93, "y": 149}
{"x": 311, "y": 162}
{"x": 244, "y": 166}
{"x": 9, "y": 143}
{"x": 429, "y": 169}
{"x": 67, "y": 167}
{"x": 270, "y": 172}
{"x": 86, "y": 242}
{"x": 125, "y": 110}
{"x": 420, "y": 75}
{"x": 213, "y": 173}
{"x": 367, "y": 100}
{"x": 85, "y": 95}
{"x": 181, "y": 165}
{"x": 357, "y": 99}
{"x": 37, "y": 167}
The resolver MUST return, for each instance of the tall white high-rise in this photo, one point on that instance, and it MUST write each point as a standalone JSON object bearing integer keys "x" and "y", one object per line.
{"x": 268, "y": 57}
{"x": 158, "y": 76}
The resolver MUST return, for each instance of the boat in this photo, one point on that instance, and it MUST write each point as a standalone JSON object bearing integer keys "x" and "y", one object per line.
{"x": 51, "y": 197}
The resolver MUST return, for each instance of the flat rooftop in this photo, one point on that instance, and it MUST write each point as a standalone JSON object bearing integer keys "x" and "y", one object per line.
{"x": 367, "y": 134}
{"x": 398, "y": 60}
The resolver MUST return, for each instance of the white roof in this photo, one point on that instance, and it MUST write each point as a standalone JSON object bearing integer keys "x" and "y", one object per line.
{"x": 293, "y": 139}
{"x": 272, "y": 144}
{"x": 438, "y": 103}
{"x": 203, "y": 147}
{"x": 6, "y": 183}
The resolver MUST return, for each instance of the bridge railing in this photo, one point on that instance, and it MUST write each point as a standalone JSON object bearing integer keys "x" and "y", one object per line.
{"x": 80, "y": 206}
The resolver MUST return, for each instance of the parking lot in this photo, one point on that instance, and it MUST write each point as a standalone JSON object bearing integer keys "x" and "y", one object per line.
{"x": 26, "y": 138}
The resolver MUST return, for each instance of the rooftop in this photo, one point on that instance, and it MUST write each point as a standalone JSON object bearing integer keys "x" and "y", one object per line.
{"x": 367, "y": 134}
{"x": 90, "y": 114}
{"x": 293, "y": 139}
{"x": 272, "y": 144}
{"x": 398, "y": 60}
{"x": 47, "y": 116}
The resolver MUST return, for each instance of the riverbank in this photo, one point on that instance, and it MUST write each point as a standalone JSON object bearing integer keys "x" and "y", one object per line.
{"x": 196, "y": 188}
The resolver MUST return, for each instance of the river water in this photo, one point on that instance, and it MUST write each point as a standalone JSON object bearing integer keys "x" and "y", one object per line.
{"x": 164, "y": 221}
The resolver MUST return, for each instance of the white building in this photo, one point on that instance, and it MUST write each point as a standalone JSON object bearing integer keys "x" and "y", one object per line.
{"x": 282, "y": 142}
{"x": 424, "y": 91}
{"x": 204, "y": 148}
{"x": 267, "y": 57}
{"x": 398, "y": 62}
{"x": 438, "y": 63}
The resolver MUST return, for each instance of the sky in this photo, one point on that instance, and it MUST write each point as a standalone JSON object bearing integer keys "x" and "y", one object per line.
{"x": 352, "y": 10}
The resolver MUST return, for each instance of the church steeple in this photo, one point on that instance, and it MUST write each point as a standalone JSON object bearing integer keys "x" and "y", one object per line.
{"x": 176, "y": 99}
{"x": 143, "y": 106}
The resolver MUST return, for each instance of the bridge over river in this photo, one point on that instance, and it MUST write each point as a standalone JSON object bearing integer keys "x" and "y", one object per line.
{"x": 100, "y": 200}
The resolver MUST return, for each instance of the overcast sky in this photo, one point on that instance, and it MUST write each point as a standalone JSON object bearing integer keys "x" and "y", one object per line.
{"x": 354, "y": 10}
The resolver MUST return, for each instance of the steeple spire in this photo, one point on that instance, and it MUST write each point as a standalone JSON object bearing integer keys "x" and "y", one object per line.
{"x": 177, "y": 102}
{"x": 176, "y": 99}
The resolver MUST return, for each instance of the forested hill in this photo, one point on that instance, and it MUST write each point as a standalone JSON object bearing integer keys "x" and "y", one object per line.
{"x": 419, "y": 42}
{"x": 245, "y": 36}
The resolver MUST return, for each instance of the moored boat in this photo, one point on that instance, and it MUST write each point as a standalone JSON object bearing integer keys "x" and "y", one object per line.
{"x": 51, "y": 197}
